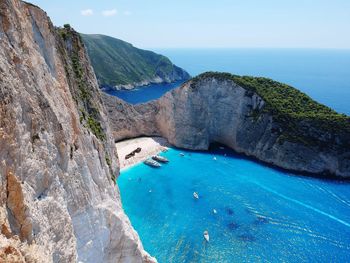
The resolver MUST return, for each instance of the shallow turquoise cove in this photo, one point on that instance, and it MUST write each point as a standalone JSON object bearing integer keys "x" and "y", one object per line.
{"x": 263, "y": 214}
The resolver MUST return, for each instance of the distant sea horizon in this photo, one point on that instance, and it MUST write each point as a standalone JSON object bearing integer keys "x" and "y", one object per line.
{"x": 323, "y": 74}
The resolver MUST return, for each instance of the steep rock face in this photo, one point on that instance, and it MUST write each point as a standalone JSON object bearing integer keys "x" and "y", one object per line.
{"x": 219, "y": 110}
{"x": 130, "y": 121}
{"x": 222, "y": 111}
{"x": 58, "y": 200}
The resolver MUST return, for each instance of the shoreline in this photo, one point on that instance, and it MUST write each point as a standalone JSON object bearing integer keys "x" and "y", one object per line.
{"x": 149, "y": 146}
{"x": 134, "y": 86}
{"x": 154, "y": 145}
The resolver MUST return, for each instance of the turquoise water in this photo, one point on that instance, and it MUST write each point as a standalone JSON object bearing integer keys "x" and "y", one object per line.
{"x": 322, "y": 74}
{"x": 263, "y": 214}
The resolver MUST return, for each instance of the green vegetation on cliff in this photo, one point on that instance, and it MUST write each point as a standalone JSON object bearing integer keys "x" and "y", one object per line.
{"x": 83, "y": 95}
{"x": 293, "y": 109}
{"x": 119, "y": 63}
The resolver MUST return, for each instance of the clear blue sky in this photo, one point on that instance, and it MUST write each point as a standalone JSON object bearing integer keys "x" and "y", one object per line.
{"x": 210, "y": 23}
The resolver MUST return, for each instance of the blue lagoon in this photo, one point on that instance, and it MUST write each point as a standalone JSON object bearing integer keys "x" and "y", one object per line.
{"x": 263, "y": 214}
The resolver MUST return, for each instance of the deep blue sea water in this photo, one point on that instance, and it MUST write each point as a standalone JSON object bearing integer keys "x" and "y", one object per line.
{"x": 145, "y": 93}
{"x": 322, "y": 74}
{"x": 263, "y": 214}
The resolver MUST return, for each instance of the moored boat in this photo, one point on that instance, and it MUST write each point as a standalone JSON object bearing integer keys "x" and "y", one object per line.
{"x": 206, "y": 235}
{"x": 195, "y": 195}
{"x": 152, "y": 163}
{"x": 160, "y": 158}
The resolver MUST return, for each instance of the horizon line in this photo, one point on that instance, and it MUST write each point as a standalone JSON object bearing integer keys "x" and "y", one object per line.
{"x": 313, "y": 48}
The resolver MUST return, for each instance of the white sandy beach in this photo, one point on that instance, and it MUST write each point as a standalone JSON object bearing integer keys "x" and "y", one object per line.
{"x": 149, "y": 146}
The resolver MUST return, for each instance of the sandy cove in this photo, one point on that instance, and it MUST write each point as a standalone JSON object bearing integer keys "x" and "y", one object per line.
{"x": 149, "y": 146}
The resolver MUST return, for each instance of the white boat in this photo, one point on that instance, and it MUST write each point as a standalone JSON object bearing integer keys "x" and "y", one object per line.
{"x": 214, "y": 211}
{"x": 206, "y": 235}
{"x": 152, "y": 163}
{"x": 182, "y": 154}
{"x": 195, "y": 195}
{"x": 214, "y": 158}
{"x": 160, "y": 158}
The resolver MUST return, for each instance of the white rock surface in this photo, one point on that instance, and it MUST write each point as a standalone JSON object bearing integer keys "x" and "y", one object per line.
{"x": 58, "y": 202}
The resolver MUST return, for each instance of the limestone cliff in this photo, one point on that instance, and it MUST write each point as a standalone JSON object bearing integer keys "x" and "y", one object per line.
{"x": 254, "y": 121}
{"x": 58, "y": 198}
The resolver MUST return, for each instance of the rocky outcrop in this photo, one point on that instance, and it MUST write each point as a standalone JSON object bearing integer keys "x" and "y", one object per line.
{"x": 58, "y": 198}
{"x": 214, "y": 108}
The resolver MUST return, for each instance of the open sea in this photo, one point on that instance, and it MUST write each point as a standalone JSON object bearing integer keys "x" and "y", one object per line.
{"x": 322, "y": 74}
{"x": 263, "y": 214}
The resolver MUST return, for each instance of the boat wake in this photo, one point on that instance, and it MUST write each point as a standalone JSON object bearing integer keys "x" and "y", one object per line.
{"x": 336, "y": 197}
{"x": 304, "y": 205}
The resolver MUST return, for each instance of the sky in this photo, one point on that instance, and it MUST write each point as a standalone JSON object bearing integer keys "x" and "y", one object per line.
{"x": 209, "y": 23}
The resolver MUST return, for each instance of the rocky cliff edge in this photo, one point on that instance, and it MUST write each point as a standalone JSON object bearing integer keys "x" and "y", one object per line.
{"x": 58, "y": 198}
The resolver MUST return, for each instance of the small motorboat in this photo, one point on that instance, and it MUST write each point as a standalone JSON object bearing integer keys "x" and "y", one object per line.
{"x": 206, "y": 235}
{"x": 214, "y": 158}
{"x": 152, "y": 163}
{"x": 160, "y": 158}
{"x": 195, "y": 195}
{"x": 214, "y": 211}
{"x": 182, "y": 154}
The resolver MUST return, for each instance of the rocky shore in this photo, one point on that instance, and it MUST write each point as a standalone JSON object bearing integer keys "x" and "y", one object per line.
{"x": 145, "y": 83}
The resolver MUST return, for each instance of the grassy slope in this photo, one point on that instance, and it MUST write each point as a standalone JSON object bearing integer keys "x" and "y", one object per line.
{"x": 291, "y": 108}
{"x": 119, "y": 63}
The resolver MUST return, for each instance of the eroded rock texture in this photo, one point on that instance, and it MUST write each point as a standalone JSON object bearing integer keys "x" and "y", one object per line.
{"x": 58, "y": 199}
